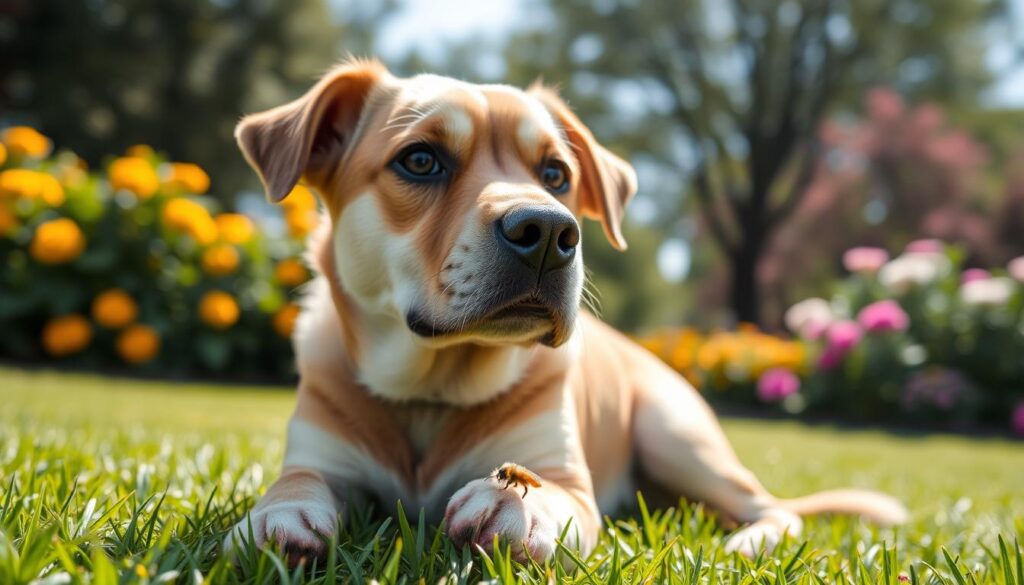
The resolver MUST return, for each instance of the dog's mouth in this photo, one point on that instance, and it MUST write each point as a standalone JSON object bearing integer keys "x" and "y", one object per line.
{"x": 520, "y": 316}
{"x": 528, "y": 308}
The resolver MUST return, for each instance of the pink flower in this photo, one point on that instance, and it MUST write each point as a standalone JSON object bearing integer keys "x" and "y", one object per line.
{"x": 884, "y": 317}
{"x": 1016, "y": 268}
{"x": 865, "y": 260}
{"x": 973, "y": 274}
{"x": 1017, "y": 420}
{"x": 841, "y": 338}
{"x": 927, "y": 246}
{"x": 844, "y": 335}
{"x": 776, "y": 384}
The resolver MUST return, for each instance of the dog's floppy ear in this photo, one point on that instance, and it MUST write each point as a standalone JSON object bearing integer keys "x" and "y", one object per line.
{"x": 288, "y": 142}
{"x": 607, "y": 182}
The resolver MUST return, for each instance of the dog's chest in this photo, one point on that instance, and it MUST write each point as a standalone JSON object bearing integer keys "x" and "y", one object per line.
{"x": 421, "y": 424}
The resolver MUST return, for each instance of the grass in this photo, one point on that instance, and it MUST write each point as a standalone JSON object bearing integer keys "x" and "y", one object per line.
{"x": 120, "y": 481}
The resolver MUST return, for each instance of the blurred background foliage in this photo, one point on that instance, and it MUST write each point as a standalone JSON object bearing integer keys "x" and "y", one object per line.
{"x": 744, "y": 118}
{"x": 770, "y": 137}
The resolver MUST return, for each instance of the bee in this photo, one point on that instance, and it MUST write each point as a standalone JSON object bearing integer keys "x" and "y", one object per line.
{"x": 517, "y": 475}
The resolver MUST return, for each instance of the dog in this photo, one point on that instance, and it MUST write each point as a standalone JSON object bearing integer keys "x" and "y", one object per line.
{"x": 443, "y": 335}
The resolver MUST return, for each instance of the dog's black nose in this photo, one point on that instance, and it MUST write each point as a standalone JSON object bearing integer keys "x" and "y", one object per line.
{"x": 543, "y": 237}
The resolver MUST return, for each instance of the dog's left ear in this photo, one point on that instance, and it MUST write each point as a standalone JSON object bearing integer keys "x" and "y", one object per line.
{"x": 307, "y": 136}
{"x": 607, "y": 182}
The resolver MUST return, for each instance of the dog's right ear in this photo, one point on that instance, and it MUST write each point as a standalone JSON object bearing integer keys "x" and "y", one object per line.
{"x": 299, "y": 138}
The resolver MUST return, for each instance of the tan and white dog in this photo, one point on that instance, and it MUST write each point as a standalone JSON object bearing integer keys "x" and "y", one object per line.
{"x": 443, "y": 336}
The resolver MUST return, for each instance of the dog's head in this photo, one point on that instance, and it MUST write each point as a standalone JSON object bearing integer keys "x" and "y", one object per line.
{"x": 454, "y": 205}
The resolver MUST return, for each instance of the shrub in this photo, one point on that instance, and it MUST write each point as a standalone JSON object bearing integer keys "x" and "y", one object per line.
{"x": 137, "y": 267}
{"x": 916, "y": 337}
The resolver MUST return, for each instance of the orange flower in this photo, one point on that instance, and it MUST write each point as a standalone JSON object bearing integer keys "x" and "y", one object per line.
{"x": 299, "y": 198}
{"x": 138, "y": 344}
{"x": 29, "y": 184}
{"x": 134, "y": 174}
{"x": 300, "y": 221}
{"x": 3, "y": 153}
{"x": 218, "y": 309}
{"x": 25, "y": 141}
{"x": 220, "y": 260}
{"x": 114, "y": 308}
{"x": 66, "y": 335}
{"x": 290, "y": 272}
{"x": 234, "y": 228}
{"x": 189, "y": 177}
{"x": 8, "y": 220}
{"x": 284, "y": 320}
{"x": 57, "y": 241}
{"x": 187, "y": 216}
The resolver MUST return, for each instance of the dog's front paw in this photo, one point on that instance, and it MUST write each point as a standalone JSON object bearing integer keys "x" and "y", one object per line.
{"x": 483, "y": 509}
{"x": 299, "y": 528}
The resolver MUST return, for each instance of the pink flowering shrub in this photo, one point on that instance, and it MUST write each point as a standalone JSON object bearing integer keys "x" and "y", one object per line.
{"x": 914, "y": 336}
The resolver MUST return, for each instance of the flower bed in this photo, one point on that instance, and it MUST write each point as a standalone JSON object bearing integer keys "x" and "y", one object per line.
{"x": 913, "y": 338}
{"x": 137, "y": 267}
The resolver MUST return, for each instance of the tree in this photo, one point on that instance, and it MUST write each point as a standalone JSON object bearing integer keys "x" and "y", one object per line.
{"x": 745, "y": 84}
{"x": 176, "y": 74}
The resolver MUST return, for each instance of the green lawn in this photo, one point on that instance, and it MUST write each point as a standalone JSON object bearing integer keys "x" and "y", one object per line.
{"x": 121, "y": 481}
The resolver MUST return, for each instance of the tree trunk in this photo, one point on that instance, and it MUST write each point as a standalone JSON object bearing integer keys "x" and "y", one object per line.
{"x": 744, "y": 289}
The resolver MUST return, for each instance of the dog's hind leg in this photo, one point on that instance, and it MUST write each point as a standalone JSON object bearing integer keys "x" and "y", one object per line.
{"x": 681, "y": 446}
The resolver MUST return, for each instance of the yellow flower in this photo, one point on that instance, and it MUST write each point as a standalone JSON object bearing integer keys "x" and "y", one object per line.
{"x": 187, "y": 216}
{"x": 25, "y": 141}
{"x": 134, "y": 174}
{"x": 140, "y": 151}
{"x": 138, "y": 344}
{"x": 234, "y": 228}
{"x": 8, "y": 221}
{"x": 29, "y": 184}
{"x": 290, "y": 272}
{"x": 300, "y": 221}
{"x": 299, "y": 198}
{"x": 66, "y": 335}
{"x": 220, "y": 260}
{"x": 3, "y": 153}
{"x": 284, "y": 320}
{"x": 218, "y": 309}
{"x": 57, "y": 241}
{"x": 189, "y": 177}
{"x": 114, "y": 308}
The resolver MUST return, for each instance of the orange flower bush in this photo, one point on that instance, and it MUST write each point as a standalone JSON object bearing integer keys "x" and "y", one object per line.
{"x": 134, "y": 174}
{"x": 25, "y": 141}
{"x": 139, "y": 289}
{"x": 66, "y": 335}
{"x": 57, "y": 242}
{"x": 114, "y": 309}
{"x": 138, "y": 344}
{"x": 219, "y": 310}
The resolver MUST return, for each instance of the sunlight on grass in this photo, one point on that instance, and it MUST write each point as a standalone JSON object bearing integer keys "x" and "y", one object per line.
{"x": 123, "y": 481}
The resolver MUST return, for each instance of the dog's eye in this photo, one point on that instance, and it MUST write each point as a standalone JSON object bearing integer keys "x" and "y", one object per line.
{"x": 420, "y": 161}
{"x": 555, "y": 177}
